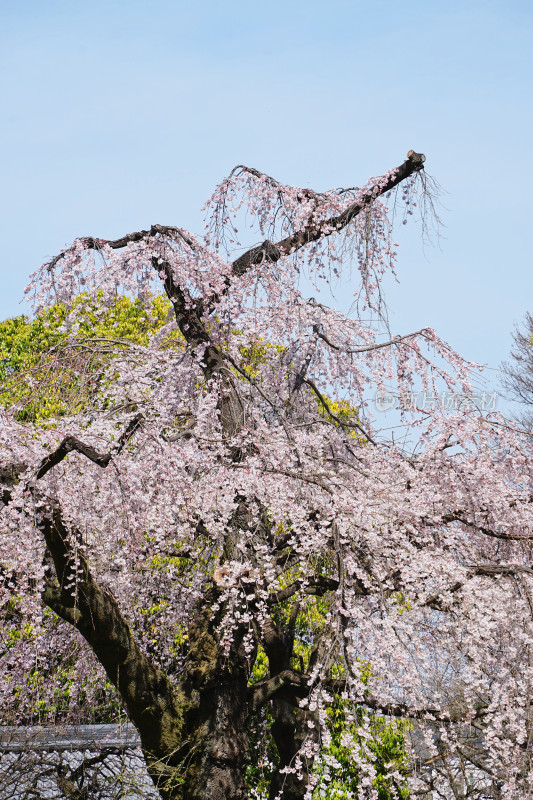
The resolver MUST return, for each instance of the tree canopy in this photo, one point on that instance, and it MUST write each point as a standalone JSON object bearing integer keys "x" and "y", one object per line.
{"x": 201, "y": 514}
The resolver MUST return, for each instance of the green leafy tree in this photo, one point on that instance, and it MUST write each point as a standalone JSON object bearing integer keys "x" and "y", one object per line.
{"x": 53, "y": 365}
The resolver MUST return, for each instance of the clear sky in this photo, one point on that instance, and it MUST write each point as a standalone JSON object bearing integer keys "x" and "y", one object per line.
{"x": 116, "y": 115}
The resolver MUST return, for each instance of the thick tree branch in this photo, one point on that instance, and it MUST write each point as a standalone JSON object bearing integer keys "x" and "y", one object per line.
{"x": 492, "y": 570}
{"x": 71, "y": 443}
{"x": 460, "y": 516}
{"x": 404, "y": 711}
{"x": 300, "y": 684}
{"x": 52, "y": 597}
{"x": 147, "y": 692}
{"x": 268, "y": 688}
{"x": 317, "y": 586}
{"x": 268, "y": 251}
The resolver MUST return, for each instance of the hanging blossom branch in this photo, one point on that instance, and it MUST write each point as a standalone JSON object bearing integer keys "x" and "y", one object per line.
{"x": 268, "y": 251}
{"x": 301, "y": 684}
{"x": 367, "y": 349}
{"x": 315, "y": 231}
{"x": 92, "y": 243}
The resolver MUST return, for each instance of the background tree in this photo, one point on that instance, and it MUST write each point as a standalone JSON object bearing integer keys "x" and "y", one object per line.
{"x": 518, "y": 372}
{"x": 48, "y": 370}
{"x": 207, "y": 506}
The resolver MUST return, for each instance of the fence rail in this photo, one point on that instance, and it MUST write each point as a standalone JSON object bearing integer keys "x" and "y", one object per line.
{"x": 15, "y": 739}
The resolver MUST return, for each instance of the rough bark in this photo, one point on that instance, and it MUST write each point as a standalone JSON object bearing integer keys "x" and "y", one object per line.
{"x": 214, "y": 750}
{"x": 289, "y": 728}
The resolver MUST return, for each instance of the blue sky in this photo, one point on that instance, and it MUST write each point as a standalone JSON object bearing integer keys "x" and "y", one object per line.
{"x": 116, "y": 115}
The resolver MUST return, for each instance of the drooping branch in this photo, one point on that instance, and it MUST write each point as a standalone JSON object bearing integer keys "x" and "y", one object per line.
{"x": 325, "y": 404}
{"x": 10, "y": 474}
{"x": 131, "y": 428}
{"x": 461, "y": 516}
{"x": 91, "y": 243}
{"x": 268, "y": 251}
{"x": 189, "y": 312}
{"x": 370, "y": 347}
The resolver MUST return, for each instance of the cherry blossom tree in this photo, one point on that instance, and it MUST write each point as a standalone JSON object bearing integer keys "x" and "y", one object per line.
{"x": 232, "y": 539}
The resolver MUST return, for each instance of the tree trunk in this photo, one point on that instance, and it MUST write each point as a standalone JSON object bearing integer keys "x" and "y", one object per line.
{"x": 288, "y": 731}
{"x": 210, "y": 763}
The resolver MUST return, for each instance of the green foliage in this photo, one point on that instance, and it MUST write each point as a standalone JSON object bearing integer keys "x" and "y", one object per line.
{"x": 257, "y": 353}
{"x": 54, "y": 364}
{"x": 338, "y": 764}
{"x": 385, "y": 748}
{"x": 401, "y": 602}
{"x": 51, "y": 691}
{"x": 344, "y": 414}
